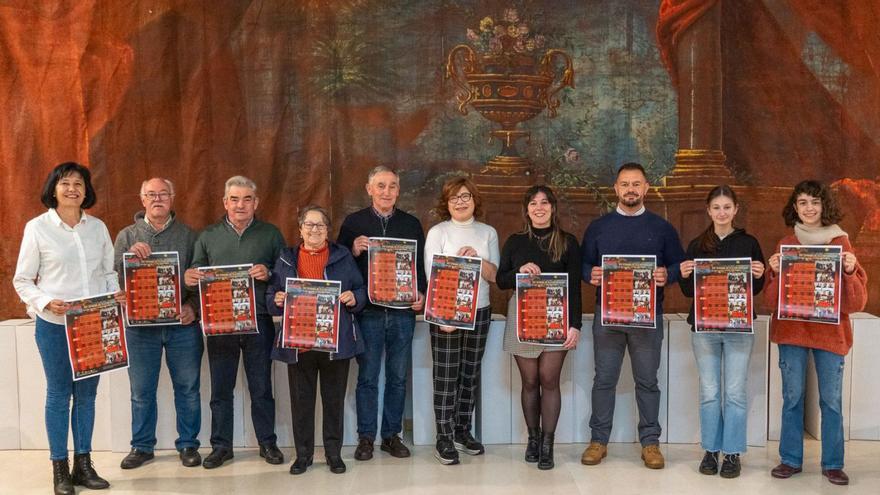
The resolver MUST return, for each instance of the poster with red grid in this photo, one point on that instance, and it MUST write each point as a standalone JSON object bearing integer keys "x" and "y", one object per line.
{"x": 226, "y": 296}
{"x": 152, "y": 288}
{"x": 391, "y": 278}
{"x": 723, "y": 295}
{"x": 542, "y": 308}
{"x": 453, "y": 285}
{"x": 809, "y": 283}
{"x": 95, "y": 336}
{"x": 628, "y": 291}
{"x": 311, "y": 314}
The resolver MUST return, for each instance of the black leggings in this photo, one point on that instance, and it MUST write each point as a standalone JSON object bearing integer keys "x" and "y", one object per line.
{"x": 541, "y": 399}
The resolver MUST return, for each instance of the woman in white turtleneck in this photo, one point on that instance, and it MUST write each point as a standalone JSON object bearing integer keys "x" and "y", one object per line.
{"x": 457, "y": 353}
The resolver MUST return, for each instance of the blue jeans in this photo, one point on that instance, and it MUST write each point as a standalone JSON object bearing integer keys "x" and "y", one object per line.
{"x": 829, "y": 373}
{"x": 183, "y": 354}
{"x": 389, "y": 331}
{"x": 723, "y": 403}
{"x": 52, "y": 344}
{"x": 224, "y": 352}
{"x": 609, "y": 346}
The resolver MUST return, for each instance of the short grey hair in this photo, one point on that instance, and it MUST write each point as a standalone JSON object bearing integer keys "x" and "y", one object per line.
{"x": 381, "y": 169}
{"x": 166, "y": 181}
{"x": 240, "y": 181}
{"x": 305, "y": 211}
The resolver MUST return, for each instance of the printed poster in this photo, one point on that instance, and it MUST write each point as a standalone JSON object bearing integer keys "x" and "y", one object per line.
{"x": 723, "y": 295}
{"x": 452, "y": 291}
{"x": 226, "y": 296}
{"x": 809, "y": 283}
{"x": 391, "y": 278}
{"x": 152, "y": 289}
{"x": 311, "y": 314}
{"x": 628, "y": 291}
{"x": 542, "y": 308}
{"x": 95, "y": 336}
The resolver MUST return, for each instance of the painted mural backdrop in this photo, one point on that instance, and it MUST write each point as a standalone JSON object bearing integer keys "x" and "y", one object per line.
{"x": 305, "y": 96}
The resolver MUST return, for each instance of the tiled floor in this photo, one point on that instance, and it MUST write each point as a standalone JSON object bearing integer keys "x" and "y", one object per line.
{"x": 501, "y": 470}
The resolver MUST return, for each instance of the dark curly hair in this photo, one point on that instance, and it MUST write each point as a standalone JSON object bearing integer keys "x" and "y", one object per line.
{"x": 831, "y": 213}
{"x": 450, "y": 189}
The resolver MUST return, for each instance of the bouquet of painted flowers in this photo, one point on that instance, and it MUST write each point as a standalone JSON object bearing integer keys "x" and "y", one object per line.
{"x": 508, "y": 35}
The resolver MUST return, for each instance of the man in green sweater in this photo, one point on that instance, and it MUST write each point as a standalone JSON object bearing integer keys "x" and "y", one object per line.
{"x": 240, "y": 238}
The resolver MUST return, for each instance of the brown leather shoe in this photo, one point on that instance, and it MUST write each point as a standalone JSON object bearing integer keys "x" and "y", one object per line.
{"x": 594, "y": 453}
{"x": 784, "y": 471}
{"x": 395, "y": 447}
{"x": 836, "y": 476}
{"x": 652, "y": 457}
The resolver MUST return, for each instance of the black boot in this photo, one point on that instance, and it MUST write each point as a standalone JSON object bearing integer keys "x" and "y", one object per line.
{"x": 61, "y": 478}
{"x": 546, "y": 458}
{"x": 533, "y": 447}
{"x": 84, "y": 473}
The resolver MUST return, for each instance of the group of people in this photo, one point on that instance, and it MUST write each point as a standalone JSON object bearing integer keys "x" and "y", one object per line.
{"x": 67, "y": 254}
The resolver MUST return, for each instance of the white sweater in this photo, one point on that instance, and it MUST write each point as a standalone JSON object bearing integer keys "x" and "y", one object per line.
{"x": 450, "y": 236}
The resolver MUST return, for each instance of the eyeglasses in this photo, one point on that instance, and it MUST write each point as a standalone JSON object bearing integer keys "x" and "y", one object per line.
{"x": 162, "y": 196}
{"x": 461, "y": 198}
{"x": 314, "y": 226}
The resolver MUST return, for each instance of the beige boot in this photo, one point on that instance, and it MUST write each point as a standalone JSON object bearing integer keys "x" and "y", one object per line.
{"x": 594, "y": 454}
{"x": 652, "y": 456}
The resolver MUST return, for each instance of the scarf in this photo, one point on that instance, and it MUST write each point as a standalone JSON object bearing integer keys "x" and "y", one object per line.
{"x": 817, "y": 235}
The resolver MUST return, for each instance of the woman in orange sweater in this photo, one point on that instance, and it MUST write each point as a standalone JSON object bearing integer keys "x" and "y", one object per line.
{"x": 813, "y": 213}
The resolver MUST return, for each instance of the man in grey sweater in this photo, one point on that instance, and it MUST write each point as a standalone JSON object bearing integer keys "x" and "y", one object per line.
{"x": 156, "y": 229}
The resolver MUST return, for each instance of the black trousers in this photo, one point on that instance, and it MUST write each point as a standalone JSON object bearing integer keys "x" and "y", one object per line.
{"x": 302, "y": 378}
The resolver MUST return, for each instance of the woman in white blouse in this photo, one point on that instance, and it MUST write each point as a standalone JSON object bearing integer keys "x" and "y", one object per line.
{"x": 457, "y": 353}
{"x": 65, "y": 254}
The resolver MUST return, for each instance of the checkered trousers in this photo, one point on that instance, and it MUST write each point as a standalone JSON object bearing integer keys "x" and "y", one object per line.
{"x": 457, "y": 356}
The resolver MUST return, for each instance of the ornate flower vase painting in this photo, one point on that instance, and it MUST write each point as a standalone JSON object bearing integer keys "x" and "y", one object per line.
{"x": 508, "y": 76}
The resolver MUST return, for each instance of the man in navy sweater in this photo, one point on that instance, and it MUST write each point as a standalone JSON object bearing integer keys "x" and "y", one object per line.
{"x": 629, "y": 230}
{"x": 383, "y": 329}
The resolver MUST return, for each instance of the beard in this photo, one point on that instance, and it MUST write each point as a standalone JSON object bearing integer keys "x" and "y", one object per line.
{"x": 631, "y": 202}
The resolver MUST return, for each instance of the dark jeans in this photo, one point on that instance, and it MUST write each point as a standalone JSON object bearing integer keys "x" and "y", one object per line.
{"x": 60, "y": 387}
{"x": 389, "y": 331}
{"x": 457, "y": 359}
{"x": 609, "y": 346}
{"x": 302, "y": 379}
{"x": 183, "y": 345}
{"x": 223, "y": 357}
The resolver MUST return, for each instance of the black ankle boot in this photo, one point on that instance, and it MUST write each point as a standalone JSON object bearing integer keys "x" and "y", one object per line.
{"x": 533, "y": 447}
{"x": 546, "y": 458}
{"x": 61, "y": 478}
{"x": 84, "y": 473}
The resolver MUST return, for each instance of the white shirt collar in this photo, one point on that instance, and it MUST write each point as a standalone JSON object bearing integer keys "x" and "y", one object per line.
{"x": 56, "y": 218}
{"x": 469, "y": 221}
{"x": 641, "y": 210}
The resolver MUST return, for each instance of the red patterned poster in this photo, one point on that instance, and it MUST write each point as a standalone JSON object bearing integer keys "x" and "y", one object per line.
{"x": 723, "y": 295}
{"x": 226, "y": 295}
{"x": 392, "y": 272}
{"x": 152, "y": 289}
{"x": 628, "y": 291}
{"x": 95, "y": 336}
{"x": 311, "y": 314}
{"x": 809, "y": 283}
{"x": 542, "y": 308}
{"x": 452, "y": 291}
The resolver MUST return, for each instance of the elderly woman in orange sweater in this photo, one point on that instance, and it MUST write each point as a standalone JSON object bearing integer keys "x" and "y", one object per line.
{"x": 813, "y": 212}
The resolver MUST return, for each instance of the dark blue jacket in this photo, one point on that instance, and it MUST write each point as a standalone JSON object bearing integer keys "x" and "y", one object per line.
{"x": 340, "y": 266}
